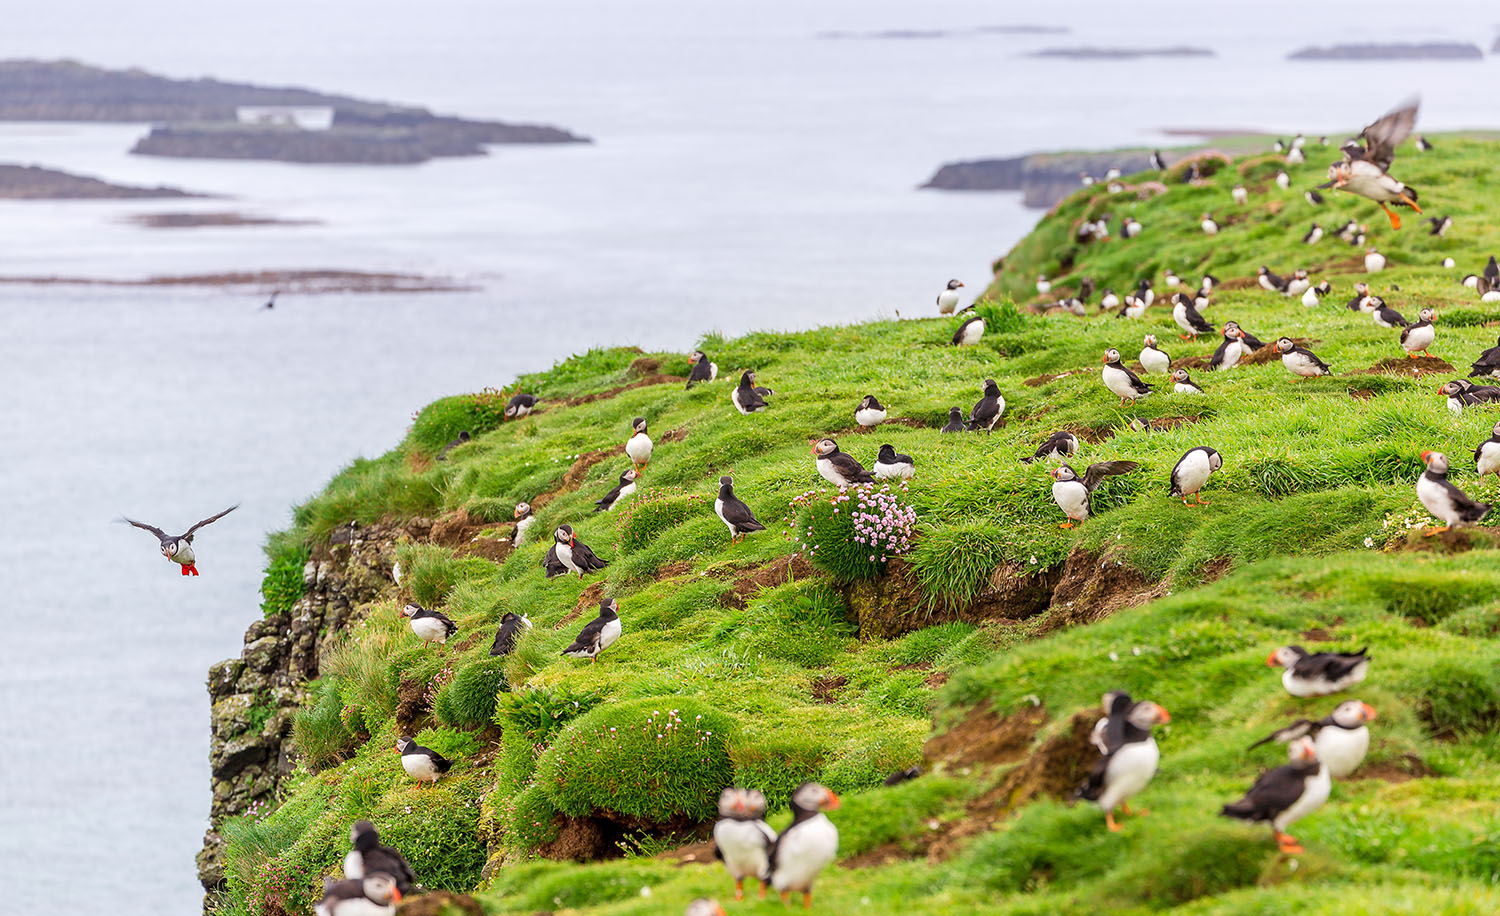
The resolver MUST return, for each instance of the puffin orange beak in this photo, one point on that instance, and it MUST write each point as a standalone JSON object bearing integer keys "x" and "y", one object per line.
{"x": 960, "y": 284}
{"x": 1242, "y": 335}
{"x": 1105, "y": 360}
{"x": 1368, "y": 710}
{"x": 831, "y": 801}
{"x": 1425, "y": 454}
{"x": 814, "y": 449}
{"x": 1162, "y": 712}
{"x": 396, "y": 894}
{"x": 396, "y": 748}
{"x": 573, "y": 541}
{"x": 1052, "y": 473}
{"x": 1271, "y": 660}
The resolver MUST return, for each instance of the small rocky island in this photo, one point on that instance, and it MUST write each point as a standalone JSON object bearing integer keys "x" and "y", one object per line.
{"x": 1090, "y": 53}
{"x": 209, "y": 118}
{"x": 1042, "y": 178}
{"x": 31, "y": 182}
{"x": 1431, "y": 50}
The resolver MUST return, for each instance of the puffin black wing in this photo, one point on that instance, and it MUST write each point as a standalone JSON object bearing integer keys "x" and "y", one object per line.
{"x": 1303, "y": 351}
{"x": 1251, "y": 341}
{"x": 505, "y": 637}
{"x": 210, "y": 520}
{"x": 585, "y": 559}
{"x": 1329, "y": 665}
{"x": 1487, "y": 362}
{"x": 739, "y": 515}
{"x": 389, "y": 860}
{"x": 702, "y": 371}
{"x": 442, "y": 618}
{"x": 983, "y": 413}
{"x": 440, "y": 763}
{"x": 553, "y": 565}
{"x": 852, "y": 470}
{"x": 161, "y": 535}
{"x": 588, "y": 637}
{"x": 1272, "y": 793}
{"x": 1093, "y": 787}
{"x": 1058, "y": 443}
{"x": 750, "y": 398}
{"x": 1382, "y": 137}
{"x": 1117, "y": 719}
{"x": 1097, "y": 472}
{"x": 1469, "y": 509}
{"x": 1292, "y": 732}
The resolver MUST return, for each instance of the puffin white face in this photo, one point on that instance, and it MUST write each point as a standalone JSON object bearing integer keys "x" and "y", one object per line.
{"x": 697, "y": 355}
{"x": 1284, "y": 345}
{"x": 1436, "y": 462}
{"x": 825, "y": 447}
{"x": 1215, "y": 461}
{"x": 1450, "y": 388}
{"x": 1144, "y": 715}
{"x": 629, "y": 474}
{"x": 410, "y": 609}
{"x": 1353, "y": 713}
{"x": 1303, "y": 751}
{"x": 1285, "y": 657}
{"x": 381, "y": 888}
{"x": 610, "y": 605}
{"x": 522, "y": 509}
{"x": 1179, "y": 375}
{"x": 1427, "y": 314}
{"x": 638, "y": 424}
{"x": 811, "y": 796}
{"x": 1063, "y": 473}
{"x": 1150, "y": 340}
{"x": 1111, "y": 355}
{"x": 169, "y": 549}
{"x": 404, "y": 742}
{"x": 564, "y": 534}
{"x": 954, "y": 284}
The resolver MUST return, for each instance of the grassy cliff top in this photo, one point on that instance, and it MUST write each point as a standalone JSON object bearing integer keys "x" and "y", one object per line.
{"x": 739, "y": 666}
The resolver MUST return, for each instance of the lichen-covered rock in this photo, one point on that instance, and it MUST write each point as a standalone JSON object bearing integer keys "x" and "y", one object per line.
{"x": 231, "y": 715}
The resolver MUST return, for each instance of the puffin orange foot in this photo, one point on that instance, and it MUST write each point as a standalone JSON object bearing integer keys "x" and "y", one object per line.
{"x": 1431, "y": 531}
{"x": 1109, "y": 821}
{"x": 1395, "y": 220}
{"x": 1067, "y": 524}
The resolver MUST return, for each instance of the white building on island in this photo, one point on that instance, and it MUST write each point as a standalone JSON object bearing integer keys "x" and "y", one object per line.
{"x": 307, "y": 117}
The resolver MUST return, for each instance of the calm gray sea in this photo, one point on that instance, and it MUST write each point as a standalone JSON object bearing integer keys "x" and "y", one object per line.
{"x": 747, "y": 175}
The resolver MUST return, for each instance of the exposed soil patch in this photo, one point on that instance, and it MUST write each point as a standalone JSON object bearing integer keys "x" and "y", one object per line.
{"x": 1322, "y": 634}
{"x": 983, "y": 738}
{"x": 1406, "y": 366}
{"x": 588, "y": 600}
{"x": 1454, "y": 540}
{"x": 673, "y": 570}
{"x": 1361, "y": 394}
{"x": 1040, "y": 380}
{"x": 411, "y": 705}
{"x": 1354, "y": 263}
{"x": 441, "y": 903}
{"x": 644, "y": 366}
{"x": 654, "y": 379}
{"x": 574, "y": 476}
{"x": 825, "y": 689}
{"x": 579, "y": 839}
{"x": 1189, "y": 362}
{"x": 777, "y": 572}
{"x": 1402, "y": 769}
{"x": 200, "y": 220}
{"x": 1091, "y": 587}
{"x": 699, "y": 853}
{"x": 895, "y": 603}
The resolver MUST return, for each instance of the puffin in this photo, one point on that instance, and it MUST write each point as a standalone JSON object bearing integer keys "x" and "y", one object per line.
{"x": 1314, "y": 235}
{"x": 1283, "y": 180}
{"x": 1056, "y": 447}
{"x": 1315, "y": 294}
{"x": 969, "y": 332}
{"x": 735, "y": 515}
{"x": 598, "y": 634}
{"x": 1108, "y": 300}
{"x": 807, "y": 846}
{"x": 519, "y": 406}
{"x": 1239, "y": 194}
{"x": 624, "y": 488}
{"x": 1190, "y": 174}
{"x": 1251, "y": 342}
{"x": 573, "y": 554}
{"x": 1157, "y": 162}
{"x": 1185, "y": 313}
{"x": 890, "y": 464}
{"x": 1318, "y": 674}
{"x": 1072, "y": 493}
{"x": 1452, "y": 506}
{"x": 462, "y": 437}
{"x": 1231, "y": 349}
{"x": 421, "y": 763}
{"x": 1144, "y": 292}
{"x": 1301, "y": 361}
{"x": 1043, "y": 285}
{"x": 947, "y": 300}
{"x": 1313, "y": 197}
{"x": 1285, "y": 795}
{"x": 869, "y": 412}
{"x": 704, "y": 906}
{"x": 1488, "y": 363}
{"x": 703, "y": 370}
{"x": 955, "y": 421}
{"x": 1125, "y": 384}
{"x": 1386, "y": 317}
{"x": 1278, "y": 146}
{"x": 1449, "y": 263}
{"x": 1181, "y": 384}
{"x": 1171, "y": 278}
{"x": 1131, "y": 227}
{"x": 988, "y": 410}
{"x": 376, "y": 895}
{"x": 838, "y": 468}
{"x": 552, "y": 565}
{"x": 1341, "y": 737}
{"x": 179, "y": 548}
{"x": 1349, "y": 231}
{"x": 1130, "y": 755}
{"x": 1294, "y": 156}
{"x": 1423, "y": 144}
{"x": 369, "y": 857}
{"x": 1152, "y": 359}
{"x": 1133, "y": 307}
{"x": 430, "y": 626}
{"x": 638, "y": 446}
{"x": 1085, "y": 179}
{"x": 1208, "y": 225}
{"x": 524, "y": 520}
{"x": 1361, "y": 293}
{"x": 742, "y": 839}
{"x": 1463, "y": 393}
{"x": 511, "y": 627}
{"x": 1269, "y": 281}
{"x": 1487, "y": 454}
{"x": 1491, "y": 273}
{"x": 1297, "y": 284}
{"x": 1374, "y": 261}
{"x": 1207, "y": 284}
{"x": 1488, "y": 292}
{"x": 1365, "y": 168}
{"x": 1440, "y": 224}
{"x": 747, "y": 398}
{"x": 1192, "y": 471}
{"x": 1420, "y": 335}
{"x": 1111, "y": 173}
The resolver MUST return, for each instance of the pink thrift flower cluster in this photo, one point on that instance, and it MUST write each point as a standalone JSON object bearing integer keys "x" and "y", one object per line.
{"x": 882, "y": 522}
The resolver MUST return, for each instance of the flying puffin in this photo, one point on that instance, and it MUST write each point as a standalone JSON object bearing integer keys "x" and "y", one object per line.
{"x": 638, "y": 446}
{"x": 1364, "y": 169}
{"x": 1314, "y": 235}
{"x": 955, "y": 421}
{"x": 519, "y": 406}
{"x": 1296, "y": 284}
{"x": 573, "y": 554}
{"x": 511, "y": 627}
{"x": 598, "y": 634}
{"x": 734, "y": 513}
{"x": 421, "y": 763}
{"x": 1487, "y": 454}
{"x": 1129, "y": 756}
{"x": 1057, "y": 447}
{"x": 1341, "y": 737}
{"x": 746, "y": 396}
{"x": 1285, "y": 795}
{"x": 969, "y": 332}
{"x": 1239, "y": 194}
{"x": 369, "y": 857}
{"x": 1269, "y": 281}
{"x": 1313, "y": 197}
{"x": 1488, "y": 363}
{"x": 1374, "y": 261}
{"x": 1231, "y": 349}
{"x": 947, "y": 300}
{"x": 1463, "y": 393}
{"x": 1192, "y": 471}
{"x": 1451, "y": 505}
{"x": 1181, "y": 384}
{"x": 838, "y": 468}
{"x": 1152, "y": 359}
{"x": 376, "y": 895}
{"x": 430, "y": 626}
{"x": 1315, "y": 294}
{"x": 1283, "y": 180}
{"x": 179, "y": 548}
{"x": 1317, "y": 675}
{"x": 1420, "y": 335}
{"x": 869, "y": 412}
{"x": 524, "y": 520}
{"x": 624, "y": 488}
{"x": 988, "y": 409}
{"x": 703, "y": 370}
{"x": 1209, "y": 226}
{"x": 1185, "y": 313}
{"x": 1301, "y": 361}
{"x": 742, "y": 840}
{"x": 890, "y": 464}
{"x": 462, "y": 437}
{"x": 1440, "y": 224}
{"x": 1072, "y": 493}
{"x": 807, "y": 846}
{"x": 1125, "y": 384}
{"x": 1386, "y": 317}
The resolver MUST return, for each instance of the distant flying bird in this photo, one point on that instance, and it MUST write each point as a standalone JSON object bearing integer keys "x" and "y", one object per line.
{"x": 271, "y": 302}
{"x": 1365, "y": 168}
{"x": 179, "y": 548}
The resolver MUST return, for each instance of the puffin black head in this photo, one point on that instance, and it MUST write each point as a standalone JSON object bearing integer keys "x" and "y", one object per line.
{"x": 697, "y": 355}
{"x": 954, "y": 284}
{"x": 726, "y": 481}
{"x": 955, "y": 414}
{"x": 742, "y": 804}
{"x": 1150, "y": 340}
{"x": 1179, "y": 374}
{"x": 824, "y": 447}
{"x": 991, "y": 390}
{"x": 1063, "y": 473}
{"x": 411, "y": 609}
{"x": 1286, "y": 656}
{"x": 522, "y": 510}
{"x": 1452, "y": 389}
{"x": 1437, "y": 463}
{"x": 1232, "y": 331}
{"x": 748, "y": 379}
{"x": 1284, "y": 345}
{"x": 404, "y": 742}
{"x": 609, "y": 609}
{"x": 1111, "y": 356}
{"x": 869, "y": 402}
{"x": 638, "y": 424}
{"x": 364, "y": 836}
{"x": 629, "y": 475}
{"x": 564, "y": 535}
{"x": 887, "y": 453}
{"x": 1352, "y": 714}
{"x": 812, "y": 797}
{"x": 169, "y": 548}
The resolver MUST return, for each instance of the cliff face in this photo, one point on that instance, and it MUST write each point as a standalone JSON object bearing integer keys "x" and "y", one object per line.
{"x": 256, "y": 695}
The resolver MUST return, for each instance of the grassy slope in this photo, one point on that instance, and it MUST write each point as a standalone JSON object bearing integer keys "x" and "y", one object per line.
{"x": 1311, "y": 474}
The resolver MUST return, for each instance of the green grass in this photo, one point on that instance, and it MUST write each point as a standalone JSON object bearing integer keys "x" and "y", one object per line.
{"x": 1316, "y": 494}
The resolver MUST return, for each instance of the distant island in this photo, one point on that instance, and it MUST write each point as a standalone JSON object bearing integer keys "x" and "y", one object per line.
{"x": 1042, "y": 178}
{"x": 315, "y": 281}
{"x": 209, "y": 118}
{"x": 31, "y": 182}
{"x": 1090, "y": 53}
{"x": 1432, "y": 50}
{"x": 218, "y": 219}
{"x": 900, "y": 34}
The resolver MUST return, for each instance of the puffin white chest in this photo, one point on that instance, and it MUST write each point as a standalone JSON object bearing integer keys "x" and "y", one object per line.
{"x": 638, "y": 448}
{"x": 356, "y": 906}
{"x": 521, "y": 528}
{"x": 1310, "y": 298}
{"x": 1419, "y": 337}
{"x": 831, "y": 473}
{"x": 1314, "y": 794}
{"x": 1232, "y": 355}
{"x": 1130, "y": 770}
{"x": 1437, "y": 500}
{"x": 1366, "y": 180}
{"x": 1154, "y": 360}
{"x": 565, "y": 555}
{"x": 1191, "y": 473}
{"x": 1299, "y": 364}
{"x": 804, "y": 850}
{"x": 1319, "y": 687}
{"x": 625, "y": 491}
{"x": 1342, "y": 749}
{"x": 719, "y": 511}
{"x": 1118, "y": 381}
{"x": 1489, "y": 458}
{"x": 1374, "y": 262}
{"x": 744, "y": 846}
{"x": 971, "y": 333}
{"x": 1296, "y": 287}
{"x": 947, "y": 301}
{"x": 420, "y": 767}
{"x": 609, "y": 634}
{"x": 429, "y": 629}
{"x": 869, "y": 416}
{"x": 1072, "y": 497}
{"x": 1457, "y": 407}
{"x": 1186, "y": 388}
{"x": 184, "y": 554}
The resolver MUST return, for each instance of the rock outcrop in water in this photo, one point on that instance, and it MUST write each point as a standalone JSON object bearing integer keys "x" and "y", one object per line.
{"x": 31, "y": 182}
{"x": 1042, "y": 178}
{"x": 1091, "y": 53}
{"x": 1431, "y": 50}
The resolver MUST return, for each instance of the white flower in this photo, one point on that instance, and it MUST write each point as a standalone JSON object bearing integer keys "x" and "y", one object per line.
{"x": 1369, "y": 542}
